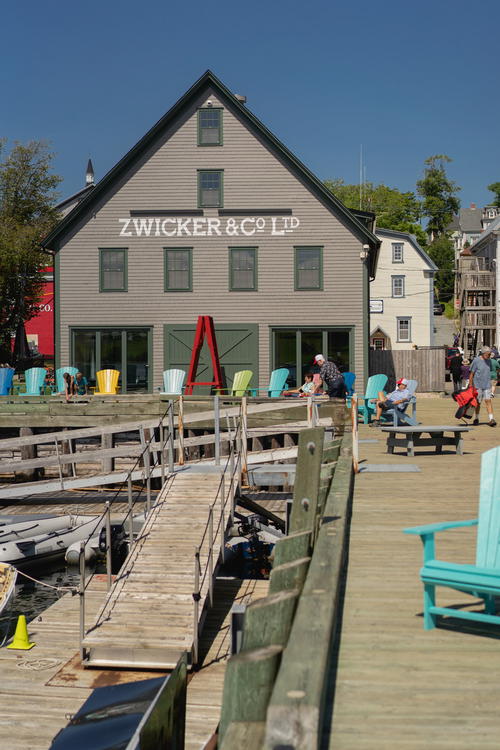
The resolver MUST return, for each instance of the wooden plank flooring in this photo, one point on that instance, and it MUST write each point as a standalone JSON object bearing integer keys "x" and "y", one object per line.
{"x": 399, "y": 686}
{"x": 148, "y": 617}
{"x": 33, "y": 710}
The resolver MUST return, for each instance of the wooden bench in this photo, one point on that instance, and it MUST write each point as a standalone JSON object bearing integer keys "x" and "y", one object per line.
{"x": 412, "y": 436}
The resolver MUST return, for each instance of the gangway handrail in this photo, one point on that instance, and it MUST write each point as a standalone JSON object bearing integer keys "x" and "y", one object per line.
{"x": 233, "y": 469}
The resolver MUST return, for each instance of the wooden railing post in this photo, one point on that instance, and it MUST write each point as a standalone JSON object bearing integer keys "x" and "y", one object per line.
{"x": 355, "y": 444}
{"x": 148, "y": 478}
{"x": 210, "y": 555}
{"x": 217, "y": 430}
{"x": 309, "y": 411}
{"x": 108, "y": 544}
{"x": 244, "y": 438}
{"x": 180, "y": 428}
{"x": 162, "y": 454}
{"x": 130, "y": 504}
{"x": 196, "y": 600}
{"x": 171, "y": 436}
{"x": 82, "y": 597}
{"x": 222, "y": 517}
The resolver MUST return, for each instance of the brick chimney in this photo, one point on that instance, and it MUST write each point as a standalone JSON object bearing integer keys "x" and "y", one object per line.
{"x": 473, "y": 205}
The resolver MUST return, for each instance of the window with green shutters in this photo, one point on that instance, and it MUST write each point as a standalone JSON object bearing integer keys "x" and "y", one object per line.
{"x": 210, "y": 188}
{"x": 308, "y": 268}
{"x": 242, "y": 269}
{"x": 178, "y": 269}
{"x": 112, "y": 269}
{"x": 210, "y": 127}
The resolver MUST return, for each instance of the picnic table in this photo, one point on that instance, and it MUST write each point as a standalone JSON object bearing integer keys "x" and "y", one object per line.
{"x": 411, "y": 436}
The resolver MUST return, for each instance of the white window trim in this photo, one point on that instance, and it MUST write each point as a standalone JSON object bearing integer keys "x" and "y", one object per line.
{"x": 398, "y": 338}
{"x": 393, "y": 279}
{"x": 399, "y": 246}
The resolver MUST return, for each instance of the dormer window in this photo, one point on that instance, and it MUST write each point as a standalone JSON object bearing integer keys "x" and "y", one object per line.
{"x": 210, "y": 126}
{"x": 397, "y": 252}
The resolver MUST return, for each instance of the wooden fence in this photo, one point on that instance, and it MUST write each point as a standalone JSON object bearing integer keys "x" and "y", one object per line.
{"x": 275, "y": 688}
{"x": 425, "y": 365}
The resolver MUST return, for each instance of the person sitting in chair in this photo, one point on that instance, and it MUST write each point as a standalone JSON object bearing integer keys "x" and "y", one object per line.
{"x": 306, "y": 389}
{"x": 397, "y": 398}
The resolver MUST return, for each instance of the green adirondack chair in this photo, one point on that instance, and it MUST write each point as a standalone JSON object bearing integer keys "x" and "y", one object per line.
{"x": 375, "y": 383}
{"x": 173, "y": 381}
{"x": 276, "y": 385}
{"x": 480, "y": 580}
{"x": 241, "y": 381}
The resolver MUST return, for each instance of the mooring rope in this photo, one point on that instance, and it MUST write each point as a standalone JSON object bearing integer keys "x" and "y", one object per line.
{"x": 74, "y": 589}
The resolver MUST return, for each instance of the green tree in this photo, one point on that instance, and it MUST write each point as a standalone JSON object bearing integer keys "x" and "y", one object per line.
{"x": 393, "y": 209}
{"x": 442, "y": 253}
{"x": 439, "y": 195}
{"x": 27, "y": 213}
{"x": 495, "y": 188}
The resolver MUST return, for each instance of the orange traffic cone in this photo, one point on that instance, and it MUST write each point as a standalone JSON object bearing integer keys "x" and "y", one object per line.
{"x": 21, "y": 640}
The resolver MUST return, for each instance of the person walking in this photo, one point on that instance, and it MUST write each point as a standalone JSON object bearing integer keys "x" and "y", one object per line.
{"x": 480, "y": 378}
{"x": 455, "y": 371}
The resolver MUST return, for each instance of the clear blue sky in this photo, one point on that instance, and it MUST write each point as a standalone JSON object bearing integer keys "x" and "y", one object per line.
{"x": 406, "y": 80}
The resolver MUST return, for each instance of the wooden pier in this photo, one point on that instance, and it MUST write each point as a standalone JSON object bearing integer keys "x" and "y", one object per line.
{"x": 398, "y": 686}
{"x": 149, "y": 618}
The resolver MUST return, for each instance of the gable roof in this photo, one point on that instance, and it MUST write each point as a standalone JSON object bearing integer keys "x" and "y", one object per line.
{"x": 391, "y": 233}
{"x": 493, "y": 228}
{"x": 208, "y": 79}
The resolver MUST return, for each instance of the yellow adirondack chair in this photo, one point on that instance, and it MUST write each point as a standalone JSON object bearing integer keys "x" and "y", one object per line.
{"x": 241, "y": 382}
{"x": 107, "y": 382}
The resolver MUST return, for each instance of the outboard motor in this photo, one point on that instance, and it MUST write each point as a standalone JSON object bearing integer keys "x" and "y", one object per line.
{"x": 119, "y": 545}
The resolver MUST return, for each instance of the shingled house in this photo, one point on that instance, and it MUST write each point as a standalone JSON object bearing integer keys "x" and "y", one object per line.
{"x": 209, "y": 214}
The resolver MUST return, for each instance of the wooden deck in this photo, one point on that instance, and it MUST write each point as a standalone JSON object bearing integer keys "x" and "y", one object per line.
{"x": 399, "y": 686}
{"x": 148, "y": 618}
{"x": 42, "y": 687}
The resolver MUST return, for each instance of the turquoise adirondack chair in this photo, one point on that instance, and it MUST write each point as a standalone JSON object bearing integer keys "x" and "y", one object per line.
{"x": 35, "y": 380}
{"x": 173, "y": 381}
{"x": 400, "y": 416}
{"x": 374, "y": 384}
{"x": 59, "y": 377}
{"x": 6, "y": 376}
{"x": 480, "y": 580}
{"x": 276, "y": 385}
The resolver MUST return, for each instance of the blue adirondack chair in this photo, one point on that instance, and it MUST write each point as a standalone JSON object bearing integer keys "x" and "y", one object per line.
{"x": 60, "y": 380}
{"x": 480, "y": 580}
{"x": 35, "y": 380}
{"x": 349, "y": 378}
{"x": 277, "y": 383}
{"x": 374, "y": 384}
{"x": 6, "y": 376}
{"x": 400, "y": 416}
{"x": 173, "y": 381}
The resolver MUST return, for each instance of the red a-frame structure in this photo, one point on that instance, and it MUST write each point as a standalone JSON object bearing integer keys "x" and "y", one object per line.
{"x": 204, "y": 328}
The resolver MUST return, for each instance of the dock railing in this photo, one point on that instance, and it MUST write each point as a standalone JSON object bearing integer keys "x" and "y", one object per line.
{"x": 160, "y": 455}
{"x": 221, "y": 514}
{"x": 276, "y": 688}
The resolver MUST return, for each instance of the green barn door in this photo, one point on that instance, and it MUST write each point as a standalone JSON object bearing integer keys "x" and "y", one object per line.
{"x": 238, "y": 346}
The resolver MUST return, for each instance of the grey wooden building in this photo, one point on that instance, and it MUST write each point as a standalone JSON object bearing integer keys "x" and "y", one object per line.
{"x": 209, "y": 214}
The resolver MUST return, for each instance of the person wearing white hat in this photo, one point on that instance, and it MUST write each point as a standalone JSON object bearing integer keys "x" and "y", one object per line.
{"x": 331, "y": 377}
{"x": 397, "y": 399}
